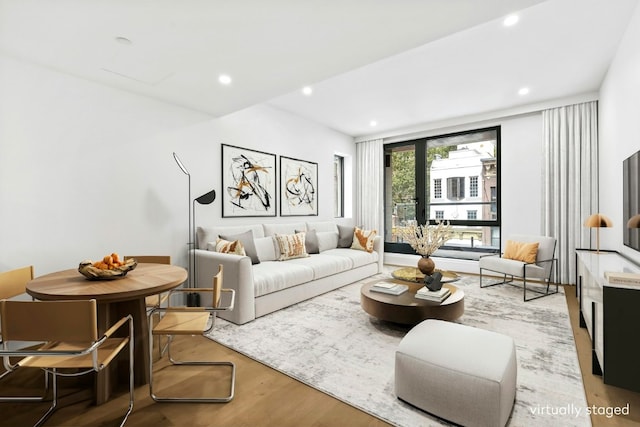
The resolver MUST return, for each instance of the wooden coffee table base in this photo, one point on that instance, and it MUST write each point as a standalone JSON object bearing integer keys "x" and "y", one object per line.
{"x": 406, "y": 309}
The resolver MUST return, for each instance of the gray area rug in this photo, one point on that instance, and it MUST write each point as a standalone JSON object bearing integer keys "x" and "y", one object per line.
{"x": 331, "y": 344}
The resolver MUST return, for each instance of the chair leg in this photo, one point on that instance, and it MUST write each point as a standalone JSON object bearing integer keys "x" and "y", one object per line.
{"x": 503, "y": 282}
{"x": 175, "y": 362}
{"x": 54, "y": 400}
{"x": 40, "y": 398}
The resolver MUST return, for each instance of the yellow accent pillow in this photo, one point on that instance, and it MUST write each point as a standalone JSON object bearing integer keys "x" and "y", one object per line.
{"x": 520, "y": 251}
{"x": 291, "y": 246}
{"x": 227, "y": 247}
{"x": 363, "y": 239}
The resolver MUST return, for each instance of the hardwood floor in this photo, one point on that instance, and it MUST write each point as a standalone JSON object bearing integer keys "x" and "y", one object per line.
{"x": 265, "y": 397}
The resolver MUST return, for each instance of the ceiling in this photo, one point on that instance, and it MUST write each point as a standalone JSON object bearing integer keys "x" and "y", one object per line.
{"x": 399, "y": 63}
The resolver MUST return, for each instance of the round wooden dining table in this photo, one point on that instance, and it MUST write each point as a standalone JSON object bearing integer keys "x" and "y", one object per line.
{"x": 116, "y": 299}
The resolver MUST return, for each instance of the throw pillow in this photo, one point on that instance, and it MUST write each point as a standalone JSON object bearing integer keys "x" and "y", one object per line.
{"x": 363, "y": 239}
{"x": 246, "y": 239}
{"x": 345, "y": 236}
{"x": 267, "y": 248}
{"x": 311, "y": 241}
{"x": 227, "y": 247}
{"x": 291, "y": 246}
{"x": 521, "y": 251}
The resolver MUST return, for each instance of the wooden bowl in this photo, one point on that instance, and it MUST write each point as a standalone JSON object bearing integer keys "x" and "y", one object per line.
{"x": 87, "y": 269}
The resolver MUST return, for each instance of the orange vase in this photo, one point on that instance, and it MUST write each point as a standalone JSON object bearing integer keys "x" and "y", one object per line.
{"x": 426, "y": 265}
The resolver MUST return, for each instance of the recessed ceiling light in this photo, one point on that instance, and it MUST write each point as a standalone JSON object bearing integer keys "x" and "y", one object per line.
{"x": 224, "y": 79}
{"x": 510, "y": 20}
{"x": 523, "y": 91}
{"x": 124, "y": 40}
{"x": 307, "y": 90}
{"x": 373, "y": 123}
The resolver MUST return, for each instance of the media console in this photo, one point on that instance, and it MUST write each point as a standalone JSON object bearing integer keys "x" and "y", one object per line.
{"x": 611, "y": 314}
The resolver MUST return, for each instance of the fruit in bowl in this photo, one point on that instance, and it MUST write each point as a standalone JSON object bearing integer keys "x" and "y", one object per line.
{"x": 110, "y": 267}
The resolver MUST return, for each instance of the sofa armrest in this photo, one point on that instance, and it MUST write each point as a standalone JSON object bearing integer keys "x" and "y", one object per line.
{"x": 238, "y": 275}
{"x": 378, "y": 246}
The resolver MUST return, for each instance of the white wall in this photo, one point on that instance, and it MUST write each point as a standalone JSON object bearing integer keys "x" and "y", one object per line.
{"x": 619, "y": 124}
{"x": 86, "y": 170}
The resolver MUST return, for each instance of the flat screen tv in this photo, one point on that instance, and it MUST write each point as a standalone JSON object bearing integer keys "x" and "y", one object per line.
{"x": 631, "y": 199}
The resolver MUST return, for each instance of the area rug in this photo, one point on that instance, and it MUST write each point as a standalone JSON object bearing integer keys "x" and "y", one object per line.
{"x": 331, "y": 344}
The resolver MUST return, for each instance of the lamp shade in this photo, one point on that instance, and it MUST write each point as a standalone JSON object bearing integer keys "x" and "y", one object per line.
{"x": 180, "y": 165}
{"x": 598, "y": 220}
{"x": 207, "y": 198}
{"x": 634, "y": 221}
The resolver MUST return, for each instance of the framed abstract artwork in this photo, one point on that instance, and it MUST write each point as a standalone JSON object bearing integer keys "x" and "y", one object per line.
{"x": 248, "y": 182}
{"x": 298, "y": 187}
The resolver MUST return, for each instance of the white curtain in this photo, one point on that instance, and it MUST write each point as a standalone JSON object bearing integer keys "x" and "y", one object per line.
{"x": 369, "y": 185}
{"x": 570, "y": 177}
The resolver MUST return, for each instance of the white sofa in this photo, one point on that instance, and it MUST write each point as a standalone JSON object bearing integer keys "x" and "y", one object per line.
{"x": 271, "y": 285}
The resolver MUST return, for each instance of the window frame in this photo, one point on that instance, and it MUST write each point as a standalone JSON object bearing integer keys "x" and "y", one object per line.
{"x": 423, "y": 181}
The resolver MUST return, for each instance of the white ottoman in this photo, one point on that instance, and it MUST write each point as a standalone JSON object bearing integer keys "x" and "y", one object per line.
{"x": 462, "y": 374}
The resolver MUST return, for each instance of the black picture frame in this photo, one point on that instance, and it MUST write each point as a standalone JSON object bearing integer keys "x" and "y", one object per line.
{"x": 248, "y": 182}
{"x": 298, "y": 187}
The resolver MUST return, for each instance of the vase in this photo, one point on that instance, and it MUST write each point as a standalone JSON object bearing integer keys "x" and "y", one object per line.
{"x": 426, "y": 265}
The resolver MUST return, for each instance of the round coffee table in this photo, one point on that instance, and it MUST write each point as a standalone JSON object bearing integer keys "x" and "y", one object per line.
{"x": 406, "y": 309}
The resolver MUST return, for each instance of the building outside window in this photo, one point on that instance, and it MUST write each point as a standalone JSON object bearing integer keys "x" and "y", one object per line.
{"x": 473, "y": 186}
{"x": 472, "y": 214}
{"x": 437, "y": 188}
{"x": 439, "y": 214}
{"x": 455, "y": 188}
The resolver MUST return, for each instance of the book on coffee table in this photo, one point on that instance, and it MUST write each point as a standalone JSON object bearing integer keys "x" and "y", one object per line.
{"x": 437, "y": 296}
{"x": 389, "y": 288}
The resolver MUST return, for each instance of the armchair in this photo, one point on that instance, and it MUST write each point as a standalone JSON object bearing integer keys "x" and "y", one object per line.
{"x": 526, "y": 257}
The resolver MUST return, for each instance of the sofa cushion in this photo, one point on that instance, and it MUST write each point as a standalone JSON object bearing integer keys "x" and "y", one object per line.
{"x": 291, "y": 246}
{"x": 247, "y": 241}
{"x": 363, "y": 239}
{"x": 267, "y": 248}
{"x": 272, "y": 276}
{"x": 345, "y": 236}
{"x": 210, "y": 234}
{"x": 324, "y": 265}
{"x": 327, "y": 240}
{"x": 359, "y": 258}
{"x": 290, "y": 228}
{"x": 310, "y": 241}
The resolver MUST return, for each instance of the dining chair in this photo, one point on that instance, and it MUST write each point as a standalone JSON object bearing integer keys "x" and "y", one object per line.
{"x": 14, "y": 282}
{"x": 69, "y": 346}
{"x": 153, "y": 301}
{"x": 191, "y": 321}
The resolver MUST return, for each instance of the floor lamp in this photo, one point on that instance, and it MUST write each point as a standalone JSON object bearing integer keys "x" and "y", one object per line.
{"x": 193, "y": 298}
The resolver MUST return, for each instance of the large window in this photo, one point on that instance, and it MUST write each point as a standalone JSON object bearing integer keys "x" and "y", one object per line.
{"x": 338, "y": 186}
{"x": 451, "y": 177}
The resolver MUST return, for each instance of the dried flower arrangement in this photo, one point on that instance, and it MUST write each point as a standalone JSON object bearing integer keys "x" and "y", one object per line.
{"x": 426, "y": 239}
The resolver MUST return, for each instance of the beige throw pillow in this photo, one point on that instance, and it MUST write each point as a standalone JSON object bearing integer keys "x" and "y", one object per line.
{"x": 363, "y": 239}
{"x": 230, "y": 247}
{"x": 291, "y": 246}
